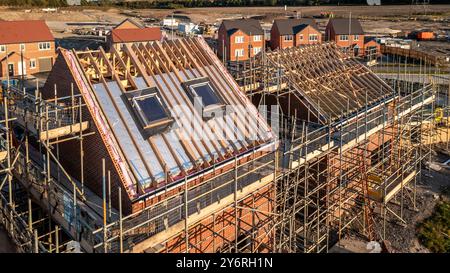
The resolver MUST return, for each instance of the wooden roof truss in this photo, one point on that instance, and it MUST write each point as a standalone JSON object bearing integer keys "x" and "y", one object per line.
{"x": 330, "y": 80}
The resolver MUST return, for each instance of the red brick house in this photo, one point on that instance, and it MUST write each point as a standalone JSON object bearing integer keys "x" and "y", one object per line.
{"x": 26, "y": 48}
{"x": 287, "y": 33}
{"x": 372, "y": 48}
{"x": 129, "y": 31}
{"x": 347, "y": 33}
{"x": 238, "y": 40}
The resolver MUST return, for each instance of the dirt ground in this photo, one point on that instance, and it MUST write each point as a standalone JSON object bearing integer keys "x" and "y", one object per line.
{"x": 402, "y": 237}
{"x": 58, "y": 21}
{"x": 212, "y": 15}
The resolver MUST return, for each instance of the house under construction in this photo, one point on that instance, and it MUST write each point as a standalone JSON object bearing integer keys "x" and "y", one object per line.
{"x": 156, "y": 148}
{"x": 352, "y": 144}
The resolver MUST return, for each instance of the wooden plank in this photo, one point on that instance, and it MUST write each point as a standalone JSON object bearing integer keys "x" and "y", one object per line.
{"x": 400, "y": 185}
{"x": 3, "y": 155}
{"x": 64, "y": 131}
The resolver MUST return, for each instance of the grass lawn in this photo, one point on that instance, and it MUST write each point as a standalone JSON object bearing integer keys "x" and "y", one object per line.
{"x": 434, "y": 232}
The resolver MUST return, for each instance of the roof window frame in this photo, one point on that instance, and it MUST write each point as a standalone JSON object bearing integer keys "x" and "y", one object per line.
{"x": 148, "y": 128}
{"x": 206, "y": 111}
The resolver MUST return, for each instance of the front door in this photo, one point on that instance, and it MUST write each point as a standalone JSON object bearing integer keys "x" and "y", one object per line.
{"x": 11, "y": 70}
{"x": 356, "y": 50}
{"x": 22, "y": 68}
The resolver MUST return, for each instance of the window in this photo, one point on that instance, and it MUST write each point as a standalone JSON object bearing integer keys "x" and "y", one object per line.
{"x": 202, "y": 93}
{"x": 32, "y": 64}
{"x": 239, "y": 39}
{"x": 44, "y": 46}
{"x": 2, "y": 48}
{"x": 356, "y": 37}
{"x": 313, "y": 37}
{"x": 301, "y": 37}
{"x": 22, "y": 47}
{"x": 288, "y": 37}
{"x": 206, "y": 93}
{"x": 239, "y": 52}
{"x": 149, "y": 109}
{"x": 343, "y": 37}
{"x": 257, "y": 38}
{"x": 256, "y": 50}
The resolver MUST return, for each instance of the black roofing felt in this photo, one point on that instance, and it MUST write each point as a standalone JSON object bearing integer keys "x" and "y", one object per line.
{"x": 346, "y": 26}
{"x": 249, "y": 26}
{"x": 293, "y": 26}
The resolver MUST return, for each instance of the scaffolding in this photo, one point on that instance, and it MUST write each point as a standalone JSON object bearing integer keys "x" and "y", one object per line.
{"x": 351, "y": 171}
{"x": 71, "y": 212}
{"x": 43, "y": 207}
{"x": 355, "y": 169}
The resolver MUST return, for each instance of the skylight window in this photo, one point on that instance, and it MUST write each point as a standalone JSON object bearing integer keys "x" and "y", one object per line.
{"x": 149, "y": 110}
{"x": 206, "y": 93}
{"x": 204, "y": 96}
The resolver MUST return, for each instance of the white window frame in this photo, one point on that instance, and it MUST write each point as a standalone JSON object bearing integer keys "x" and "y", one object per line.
{"x": 315, "y": 37}
{"x": 257, "y": 38}
{"x": 20, "y": 47}
{"x": 2, "y": 48}
{"x": 32, "y": 61}
{"x": 239, "y": 39}
{"x": 239, "y": 52}
{"x": 288, "y": 36}
{"x": 356, "y": 37}
{"x": 44, "y": 46}
{"x": 256, "y": 50}
{"x": 341, "y": 37}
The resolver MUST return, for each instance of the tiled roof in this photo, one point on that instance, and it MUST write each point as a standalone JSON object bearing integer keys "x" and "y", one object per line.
{"x": 293, "y": 26}
{"x": 136, "y": 35}
{"x": 14, "y": 32}
{"x": 249, "y": 26}
{"x": 346, "y": 26}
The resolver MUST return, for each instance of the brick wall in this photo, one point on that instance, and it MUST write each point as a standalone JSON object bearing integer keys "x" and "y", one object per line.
{"x": 278, "y": 41}
{"x": 231, "y": 46}
{"x": 93, "y": 146}
{"x": 30, "y": 53}
{"x": 306, "y": 32}
{"x": 372, "y": 43}
{"x": 217, "y": 231}
{"x": 330, "y": 35}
